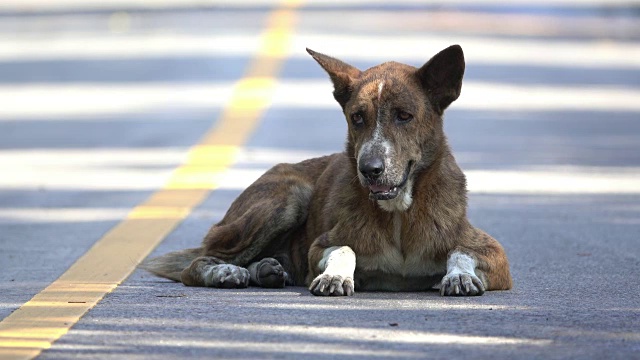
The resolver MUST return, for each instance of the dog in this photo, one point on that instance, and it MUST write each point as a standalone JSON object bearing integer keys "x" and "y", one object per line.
{"x": 387, "y": 214}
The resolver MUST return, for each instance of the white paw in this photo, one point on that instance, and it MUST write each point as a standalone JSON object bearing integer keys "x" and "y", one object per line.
{"x": 461, "y": 284}
{"x": 332, "y": 285}
{"x": 227, "y": 276}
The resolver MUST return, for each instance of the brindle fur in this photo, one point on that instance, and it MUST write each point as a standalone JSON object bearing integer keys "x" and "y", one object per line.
{"x": 294, "y": 212}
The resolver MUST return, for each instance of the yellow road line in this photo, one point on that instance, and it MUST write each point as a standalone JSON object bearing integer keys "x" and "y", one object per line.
{"x": 52, "y": 312}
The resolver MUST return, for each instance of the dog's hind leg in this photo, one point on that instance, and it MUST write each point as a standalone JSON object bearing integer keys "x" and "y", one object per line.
{"x": 213, "y": 272}
{"x": 266, "y": 221}
{"x": 268, "y": 273}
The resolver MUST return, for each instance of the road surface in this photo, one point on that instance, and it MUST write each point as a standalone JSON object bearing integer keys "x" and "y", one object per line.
{"x": 105, "y": 106}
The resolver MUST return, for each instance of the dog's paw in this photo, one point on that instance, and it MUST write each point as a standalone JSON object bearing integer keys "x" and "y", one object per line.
{"x": 227, "y": 276}
{"x": 461, "y": 284}
{"x": 332, "y": 285}
{"x": 270, "y": 274}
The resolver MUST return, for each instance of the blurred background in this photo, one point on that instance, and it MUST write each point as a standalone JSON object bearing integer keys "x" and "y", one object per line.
{"x": 101, "y": 100}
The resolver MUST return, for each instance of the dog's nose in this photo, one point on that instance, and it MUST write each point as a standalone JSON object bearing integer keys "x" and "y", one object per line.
{"x": 372, "y": 167}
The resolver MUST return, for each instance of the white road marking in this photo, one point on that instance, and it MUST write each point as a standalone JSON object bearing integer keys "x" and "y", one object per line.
{"x": 89, "y": 101}
{"x": 133, "y": 46}
{"x": 148, "y": 169}
{"x": 49, "y": 214}
{"x": 347, "y": 47}
{"x": 479, "y": 50}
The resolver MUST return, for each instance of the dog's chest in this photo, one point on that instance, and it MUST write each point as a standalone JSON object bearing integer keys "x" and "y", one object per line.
{"x": 390, "y": 258}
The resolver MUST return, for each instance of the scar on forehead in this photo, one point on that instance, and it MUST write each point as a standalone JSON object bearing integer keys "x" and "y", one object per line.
{"x": 380, "y": 86}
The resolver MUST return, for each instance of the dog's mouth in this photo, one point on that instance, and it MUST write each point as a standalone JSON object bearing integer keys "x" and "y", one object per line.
{"x": 388, "y": 192}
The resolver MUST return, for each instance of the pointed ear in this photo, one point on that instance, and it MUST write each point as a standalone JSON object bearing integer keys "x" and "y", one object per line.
{"x": 441, "y": 77}
{"x": 342, "y": 75}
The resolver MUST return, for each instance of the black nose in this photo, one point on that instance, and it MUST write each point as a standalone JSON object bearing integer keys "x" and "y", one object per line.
{"x": 371, "y": 167}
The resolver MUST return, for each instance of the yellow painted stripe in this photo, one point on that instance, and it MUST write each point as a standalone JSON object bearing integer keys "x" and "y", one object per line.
{"x": 51, "y": 313}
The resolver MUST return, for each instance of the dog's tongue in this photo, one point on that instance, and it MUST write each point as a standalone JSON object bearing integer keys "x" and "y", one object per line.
{"x": 379, "y": 188}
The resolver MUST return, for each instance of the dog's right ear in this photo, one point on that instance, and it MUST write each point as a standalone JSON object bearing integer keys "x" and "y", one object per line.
{"x": 342, "y": 75}
{"x": 441, "y": 77}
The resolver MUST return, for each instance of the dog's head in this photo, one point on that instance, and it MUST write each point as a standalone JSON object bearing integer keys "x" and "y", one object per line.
{"x": 394, "y": 113}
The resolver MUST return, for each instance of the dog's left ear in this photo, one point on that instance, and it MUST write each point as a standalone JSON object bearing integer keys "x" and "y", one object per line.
{"x": 342, "y": 75}
{"x": 441, "y": 77}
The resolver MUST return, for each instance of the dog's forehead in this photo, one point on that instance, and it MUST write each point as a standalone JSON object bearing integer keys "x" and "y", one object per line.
{"x": 390, "y": 68}
{"x": 384, "y": 77}
{"x": 385, "y": 82}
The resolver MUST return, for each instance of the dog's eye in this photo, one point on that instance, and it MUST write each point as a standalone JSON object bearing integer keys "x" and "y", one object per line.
{"x": 357, "y": 119}
{"x": 404, "y": 116}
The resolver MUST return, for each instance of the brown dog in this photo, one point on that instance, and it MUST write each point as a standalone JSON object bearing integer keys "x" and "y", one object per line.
{"x": 388, "y": 213}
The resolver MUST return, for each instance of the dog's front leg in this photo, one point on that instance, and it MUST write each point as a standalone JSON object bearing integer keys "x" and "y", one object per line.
{"x": 479, "y": 264}
{"x": 337, "y": 265}
{"x": 461, "y": 278}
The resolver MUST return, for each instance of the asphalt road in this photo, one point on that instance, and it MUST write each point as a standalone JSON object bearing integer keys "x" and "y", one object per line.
{"x": 99, "y": 103}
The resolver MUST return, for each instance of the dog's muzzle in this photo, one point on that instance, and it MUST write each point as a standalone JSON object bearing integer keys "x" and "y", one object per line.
{"x": 381, "y": 191}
